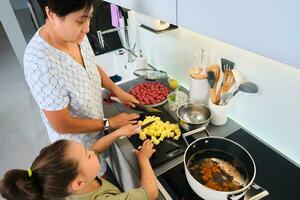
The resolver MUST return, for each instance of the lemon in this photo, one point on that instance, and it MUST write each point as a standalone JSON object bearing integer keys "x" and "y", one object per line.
{"x": 173, "y": 84}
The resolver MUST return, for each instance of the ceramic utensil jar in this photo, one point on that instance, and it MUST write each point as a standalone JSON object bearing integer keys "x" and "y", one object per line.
{"x": 219, "y": 113}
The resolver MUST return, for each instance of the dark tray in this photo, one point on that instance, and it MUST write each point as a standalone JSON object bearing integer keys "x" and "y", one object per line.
{"x": 166, "y": 149}
{"x": 275, "y": 173}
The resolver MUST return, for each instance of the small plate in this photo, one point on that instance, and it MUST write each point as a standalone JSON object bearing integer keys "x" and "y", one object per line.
{"x": 150, "y": 74}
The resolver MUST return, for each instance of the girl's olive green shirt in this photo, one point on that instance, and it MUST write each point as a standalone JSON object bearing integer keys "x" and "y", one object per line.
{"x": 108, "y": 191}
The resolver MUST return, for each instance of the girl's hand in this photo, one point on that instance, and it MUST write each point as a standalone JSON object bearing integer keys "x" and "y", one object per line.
{"x": 146, "y": 151}
{"x": 128, "y": 99}
{"x": 128, "y": 130}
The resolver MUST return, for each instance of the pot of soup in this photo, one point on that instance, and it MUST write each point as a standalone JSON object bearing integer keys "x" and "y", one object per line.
{"x": 218, "y": 168}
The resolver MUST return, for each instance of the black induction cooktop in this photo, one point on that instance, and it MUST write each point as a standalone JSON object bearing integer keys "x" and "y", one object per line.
{"x": 275, "y": 173}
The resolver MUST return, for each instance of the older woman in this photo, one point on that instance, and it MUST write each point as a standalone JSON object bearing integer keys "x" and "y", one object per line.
{"x": 64, "y": 79}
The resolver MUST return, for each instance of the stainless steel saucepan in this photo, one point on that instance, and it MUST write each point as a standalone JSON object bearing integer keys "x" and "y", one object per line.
{"x": 193, "y": 115}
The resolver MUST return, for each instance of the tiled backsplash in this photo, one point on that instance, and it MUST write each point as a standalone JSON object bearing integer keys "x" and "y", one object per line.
{"x": 272, "y": 115}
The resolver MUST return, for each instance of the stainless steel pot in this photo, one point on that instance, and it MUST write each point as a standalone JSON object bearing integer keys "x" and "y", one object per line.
{"x": 193, "y": 115}
{"x": 224, "y": 149}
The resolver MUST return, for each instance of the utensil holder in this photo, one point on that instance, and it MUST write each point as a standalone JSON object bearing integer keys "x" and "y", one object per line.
{"x": 219, "y": 114}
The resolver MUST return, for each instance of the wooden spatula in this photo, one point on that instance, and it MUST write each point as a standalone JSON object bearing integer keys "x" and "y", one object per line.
{"x": 228, "y": 82}
{"x": 215, "y": 68}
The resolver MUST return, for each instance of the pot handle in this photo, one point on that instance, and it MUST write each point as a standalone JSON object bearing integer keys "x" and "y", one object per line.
{"x": 192, "y": 132}
{"x": 237, "y": 196}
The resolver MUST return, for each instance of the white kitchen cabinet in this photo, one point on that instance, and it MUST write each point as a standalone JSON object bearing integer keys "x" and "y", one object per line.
{"x": 161, "y": 9}
{"x": 269, "y": 28}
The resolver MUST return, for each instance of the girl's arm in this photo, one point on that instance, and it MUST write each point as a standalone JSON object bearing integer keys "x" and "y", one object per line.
{"x": 103, "y": 143}
{"x": 148, "y": 179}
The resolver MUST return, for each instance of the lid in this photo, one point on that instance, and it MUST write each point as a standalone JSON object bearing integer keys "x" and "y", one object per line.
{"x": 196, "y": 73}
{"x": 150, "y": 74}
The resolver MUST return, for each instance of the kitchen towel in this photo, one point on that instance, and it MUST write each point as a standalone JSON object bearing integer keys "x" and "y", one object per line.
{"x": 115, "y": 15}
{"x": 155, "y": 24}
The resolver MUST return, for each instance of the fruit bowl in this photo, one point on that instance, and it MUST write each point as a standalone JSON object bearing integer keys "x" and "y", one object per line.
{"x": 150, "y": 93}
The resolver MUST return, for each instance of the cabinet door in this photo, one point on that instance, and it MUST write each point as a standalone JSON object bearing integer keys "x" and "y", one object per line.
{"x": 161, "y": 9}
{"x": 269, "y": 28}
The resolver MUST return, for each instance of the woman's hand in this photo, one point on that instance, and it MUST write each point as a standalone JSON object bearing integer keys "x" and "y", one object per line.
{"x": 145, "y": 151}
{"x": 127, "y": 130}
{"x": 122, "y": 119}
{"x": 127, "y": 99}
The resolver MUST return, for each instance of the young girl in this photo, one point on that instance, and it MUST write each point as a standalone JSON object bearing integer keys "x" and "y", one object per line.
{"x": 67, "y": 170}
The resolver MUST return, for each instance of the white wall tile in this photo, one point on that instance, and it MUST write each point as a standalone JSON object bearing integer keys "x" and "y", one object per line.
{"x": 273, "y": 114}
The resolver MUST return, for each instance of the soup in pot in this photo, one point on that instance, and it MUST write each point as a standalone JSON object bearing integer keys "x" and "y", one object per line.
{"x": 216, "y": 173}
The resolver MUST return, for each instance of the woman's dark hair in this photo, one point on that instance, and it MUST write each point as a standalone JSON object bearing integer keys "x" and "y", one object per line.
{"x": 52, "y": 172}
{"x": 65, "y": 7}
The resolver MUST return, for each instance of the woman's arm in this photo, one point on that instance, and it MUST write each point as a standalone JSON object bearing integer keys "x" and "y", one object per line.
{"x": 107, "y": 83}
{"x": 62, "y": 122}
